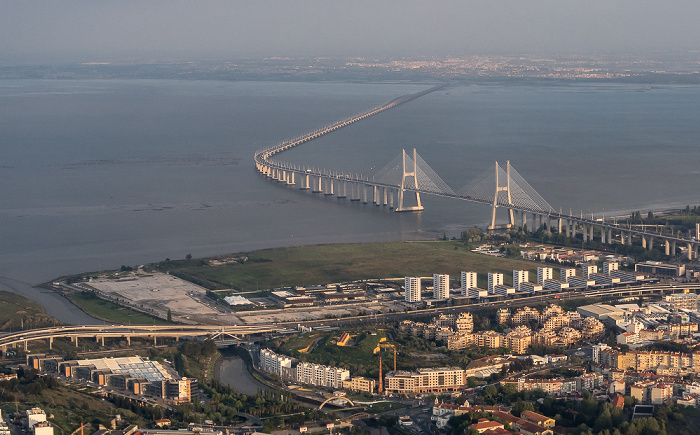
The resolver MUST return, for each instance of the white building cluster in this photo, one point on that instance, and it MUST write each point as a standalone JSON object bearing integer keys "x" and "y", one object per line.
{"x": 303, "y": 373}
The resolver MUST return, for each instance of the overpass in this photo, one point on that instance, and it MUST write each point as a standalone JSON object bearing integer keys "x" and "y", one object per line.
{"x": 101, "y": 332}
{"x": 408, "y": 176}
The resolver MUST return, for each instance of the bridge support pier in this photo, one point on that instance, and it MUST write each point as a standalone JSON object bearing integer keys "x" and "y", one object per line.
{"x": 568, "y": 228}
{"x": 128, "y": 340}
{"x": 523, "y": 219}
{"x": 364, "y": 193}
{"x": 651, "y": 243}
{"x": 386, "y": 196}
{"x": 629, "y": 237}
{"x": 673, "y": 248}
{"x": 50, "y": 342}
{"x": 317, "y": 187}
{"x": 695, "y": 251}
{"x": 559, "y": 222}
{"x": 304, "y": 182}
{"x": 75, "y": 340}
{"x": 375, "y": 195}
{"x": 585, "y": 233}
{"x": 667, "y": 248}
{"x": 290, "y": 179}
{"x": 644, "y": 242}
{"x": 590, "y": 235}
{"x": 328, "y": 191}
{"x": 391, "y": 200}
{"x": 342, "y": 189}
{"x": 609, "y": 236}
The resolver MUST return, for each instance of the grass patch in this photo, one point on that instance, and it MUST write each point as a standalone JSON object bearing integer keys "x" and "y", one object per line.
{"x": 327, "y": 352}
{"x": 110, "y": 312}
{"x": 313, "y": 265}
{"x": 18, "y": 312}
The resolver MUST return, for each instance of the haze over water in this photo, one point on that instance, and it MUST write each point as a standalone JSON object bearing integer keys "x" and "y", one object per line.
{"x": 96, "y": 174}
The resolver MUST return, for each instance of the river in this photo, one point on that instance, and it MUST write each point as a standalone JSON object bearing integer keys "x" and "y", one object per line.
{"x": 231, "y": 370}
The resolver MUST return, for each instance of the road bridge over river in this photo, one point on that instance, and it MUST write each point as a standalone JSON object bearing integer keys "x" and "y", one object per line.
{"x": 399, "y": 185}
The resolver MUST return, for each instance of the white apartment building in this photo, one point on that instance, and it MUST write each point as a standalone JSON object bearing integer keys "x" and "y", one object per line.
{"x": 441, "y": 286}
{"x": 519, "y": 277}
{"x": 543, "y": 274}
{"x": 609, "y": 266}
{"x": 320, "y": 375}
{"x": 588, "y": 270}
{"x": 273, "y": 362}
{"x": 494, "y": 280}
{"x": 476, "y": 292}
{"x": 530, "y": 287}
{"x": 468, "y": 281}
{"x": 412, "y": 286}
{"x": 565, "y": 273}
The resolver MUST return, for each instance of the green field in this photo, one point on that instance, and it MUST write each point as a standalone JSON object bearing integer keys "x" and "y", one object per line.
{"x": 112, "y": 313}
{"x": 358, "y": 355}
{"x": 18, "y": 312}
{"x": 322, "y": 264}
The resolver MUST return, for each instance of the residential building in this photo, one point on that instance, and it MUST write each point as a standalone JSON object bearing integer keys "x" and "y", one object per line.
{"x": 441, "y": 286}
{"x": 272, "y": 362}
{"x": 685, "y": 301}
{"x": 519, "y": 277}
{"x": 468, "y": 282}
{"x": 464, "y": 322}
{"x": 543, "y": 274}
{"x": 565, "y": 273}
{"x": 610, "y": 266}
{"x": 320, "y": 375}
{"x": 494, "y": 279}
{"x": 588, "y": 269}
{"x": 412, "y": 287}
{"x": 365, "y": 385}
{"x": 529, "y": 287}
{"x": 538, "y": 419}
{"x": 432, "y": 380}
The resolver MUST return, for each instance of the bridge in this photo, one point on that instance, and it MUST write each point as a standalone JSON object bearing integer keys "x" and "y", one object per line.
{"x": 401, "y": 182}
{"x": 224, "y": 334}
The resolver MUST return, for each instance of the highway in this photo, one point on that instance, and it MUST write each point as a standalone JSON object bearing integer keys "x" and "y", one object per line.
{"x": 244, "y": 332}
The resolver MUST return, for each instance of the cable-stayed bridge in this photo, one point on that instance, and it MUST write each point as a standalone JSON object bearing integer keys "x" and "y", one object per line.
{"x": 401, "y": 182}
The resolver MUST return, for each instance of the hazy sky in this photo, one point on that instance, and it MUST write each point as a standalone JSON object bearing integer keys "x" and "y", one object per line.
{"x": 69, "y": 30}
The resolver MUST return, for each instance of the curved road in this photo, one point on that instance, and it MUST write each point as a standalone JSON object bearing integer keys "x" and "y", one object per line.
{"x": 55, "y": 305}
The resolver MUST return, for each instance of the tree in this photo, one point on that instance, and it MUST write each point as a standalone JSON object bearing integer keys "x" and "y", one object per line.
{"x": 170, "y": 315}
{"x": 188, "y": 256}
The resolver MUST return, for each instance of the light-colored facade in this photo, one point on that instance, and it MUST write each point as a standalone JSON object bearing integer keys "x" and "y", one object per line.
{"x": 424, "y": 381}
{"x": 519, "y": 277}
{"x": 565, "y": 273}
{"x": 320, "y": 375}
{"x": 365, "y": 385}
{"x": 412, "y": 286}
{"x": 610, "y": 266}
{"x": 468, "y": 281}
{"x": 272, "y": 362}
{"x": 588, "y": 269}
{"x": 441, "y": 286}
{"x": 543, "y": 274}
{"x": 494, "y": 280}
{"x": 531, "y": 287}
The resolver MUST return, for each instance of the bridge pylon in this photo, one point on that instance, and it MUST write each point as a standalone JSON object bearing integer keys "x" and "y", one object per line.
{"x": 499, "y": 188}
{"x": 413, "y": 173}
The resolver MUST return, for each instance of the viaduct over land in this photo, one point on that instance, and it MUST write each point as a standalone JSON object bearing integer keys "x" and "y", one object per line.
{"x": 222, "y": 334}
{"x": 409, "y": 175}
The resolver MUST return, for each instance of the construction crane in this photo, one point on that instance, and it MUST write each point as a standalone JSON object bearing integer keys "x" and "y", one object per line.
{"x": 378, "y": 349}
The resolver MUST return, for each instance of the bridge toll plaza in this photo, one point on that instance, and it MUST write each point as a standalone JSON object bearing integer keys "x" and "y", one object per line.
{"x": 410, "y": 176}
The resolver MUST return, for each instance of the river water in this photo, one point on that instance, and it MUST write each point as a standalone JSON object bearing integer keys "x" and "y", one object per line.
{"x": 95, "y": 174}
{"x": 232, "y": 371}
